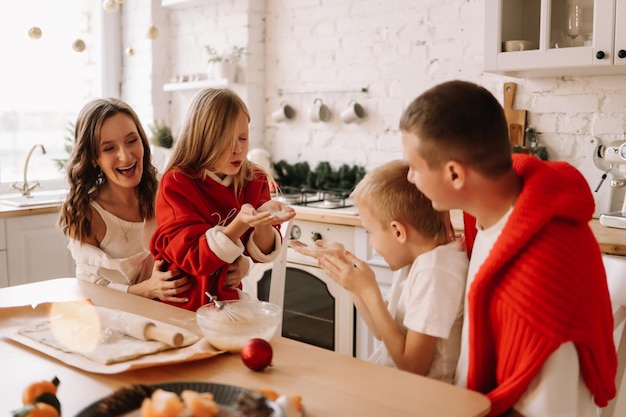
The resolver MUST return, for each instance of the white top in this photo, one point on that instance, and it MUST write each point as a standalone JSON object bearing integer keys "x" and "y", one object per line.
{"x": 429, "y": 300}
{"x": 117, "y": 263}
{"x": 558, "y": 390}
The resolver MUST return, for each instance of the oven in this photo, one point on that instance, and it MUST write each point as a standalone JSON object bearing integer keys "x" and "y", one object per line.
{"x": 316, "y": 310}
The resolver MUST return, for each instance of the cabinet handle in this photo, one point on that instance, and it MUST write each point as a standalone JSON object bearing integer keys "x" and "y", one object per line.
{"x": 621, "y": 53}
{"x": 600, "y": 54}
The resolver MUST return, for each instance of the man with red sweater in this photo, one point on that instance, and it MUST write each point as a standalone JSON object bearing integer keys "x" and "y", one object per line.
{"x": 538, "y": 329}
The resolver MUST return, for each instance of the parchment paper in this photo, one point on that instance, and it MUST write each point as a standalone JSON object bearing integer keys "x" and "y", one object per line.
{"x": 15, "y": 318}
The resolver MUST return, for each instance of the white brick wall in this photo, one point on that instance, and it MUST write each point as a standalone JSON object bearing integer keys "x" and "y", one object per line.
{"x": 397, "y": 49}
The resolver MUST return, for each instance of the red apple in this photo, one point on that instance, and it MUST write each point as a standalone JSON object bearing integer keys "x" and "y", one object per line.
{"x": 256, "y": 354}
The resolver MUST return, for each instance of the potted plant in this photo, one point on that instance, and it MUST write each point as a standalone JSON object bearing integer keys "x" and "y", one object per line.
{"x": 68, "y": 146}
{"x": 162, "y": 141}
{"x": 161, "y": 134}
{"x": 224, "y": 64}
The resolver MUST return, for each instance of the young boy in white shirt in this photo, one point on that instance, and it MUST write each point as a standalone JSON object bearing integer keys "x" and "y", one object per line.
{"x": 420, "y": 328}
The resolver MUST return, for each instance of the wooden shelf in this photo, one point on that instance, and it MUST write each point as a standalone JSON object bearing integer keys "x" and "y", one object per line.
{"x": 196, "y": 85}
{"x": 184, "y": 4}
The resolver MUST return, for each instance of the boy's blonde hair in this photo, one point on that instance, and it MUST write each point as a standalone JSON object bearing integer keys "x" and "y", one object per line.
{"x": 389, "y": 196}
{"x": 208, "y": 131}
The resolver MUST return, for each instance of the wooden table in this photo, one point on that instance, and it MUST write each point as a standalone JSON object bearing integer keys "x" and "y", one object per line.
{"x": 331, "y": 384}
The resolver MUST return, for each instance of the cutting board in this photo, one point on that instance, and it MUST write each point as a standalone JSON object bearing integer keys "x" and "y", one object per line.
{"x": 516, "y": 119}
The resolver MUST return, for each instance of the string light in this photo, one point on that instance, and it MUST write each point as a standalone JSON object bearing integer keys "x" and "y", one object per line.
{"x": 110, "y": 6}
{"x": 34, "y": 32}
{"x": 78, "y": 45}
{"x": 152, "y": 32}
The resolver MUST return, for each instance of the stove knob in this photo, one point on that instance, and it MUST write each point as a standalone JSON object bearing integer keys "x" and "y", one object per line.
{"x": 315, "y": 236}
{"x": 296, "y": 233}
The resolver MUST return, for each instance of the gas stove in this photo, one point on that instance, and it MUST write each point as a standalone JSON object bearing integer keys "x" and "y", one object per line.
{"x": 337, "y": 201}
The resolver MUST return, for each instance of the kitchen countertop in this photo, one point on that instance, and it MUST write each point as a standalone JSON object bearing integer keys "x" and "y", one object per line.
{"x": 612, "y": 241}
{"x": 11, "y": 211}
{"x": 331, "y": 384}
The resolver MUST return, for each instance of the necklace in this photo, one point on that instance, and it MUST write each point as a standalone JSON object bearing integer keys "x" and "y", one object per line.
{"x": 124, "y": 231}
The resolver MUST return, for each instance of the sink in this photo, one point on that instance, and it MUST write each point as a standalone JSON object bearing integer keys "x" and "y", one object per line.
{"x": 36, "y": 198}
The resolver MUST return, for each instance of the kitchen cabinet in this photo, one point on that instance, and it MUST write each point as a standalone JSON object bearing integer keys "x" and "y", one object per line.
{"x": 36, "y": 249}
{"x": 599, "y": 48}
{"x": 4, "y": 280}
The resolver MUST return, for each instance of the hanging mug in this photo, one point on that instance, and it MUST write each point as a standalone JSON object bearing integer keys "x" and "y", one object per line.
{"x": 353, "y": 113}
{"x": 320, "y": 111}
{"x": 283, "y": 113}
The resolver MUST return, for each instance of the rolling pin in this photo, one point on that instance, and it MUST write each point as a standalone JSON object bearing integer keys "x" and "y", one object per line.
{"x": 138, "y": 327}
{"x": 126, "y": 323}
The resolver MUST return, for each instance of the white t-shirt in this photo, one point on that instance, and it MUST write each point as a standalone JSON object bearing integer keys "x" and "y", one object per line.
{"x": 558, "y": 390}
{"x": 429, "y": 300}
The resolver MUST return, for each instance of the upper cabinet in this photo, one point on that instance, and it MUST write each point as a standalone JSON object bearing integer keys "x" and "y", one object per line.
{"x": 546, "y": 38}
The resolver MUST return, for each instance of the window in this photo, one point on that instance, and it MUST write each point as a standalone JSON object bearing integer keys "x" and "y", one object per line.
{"x": 44, "y": 83}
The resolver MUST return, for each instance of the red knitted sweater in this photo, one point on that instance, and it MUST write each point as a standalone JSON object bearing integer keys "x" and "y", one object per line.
{"x": 543, "y": 284}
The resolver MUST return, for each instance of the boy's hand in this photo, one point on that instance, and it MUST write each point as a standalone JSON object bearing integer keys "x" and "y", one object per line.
{"x": 348, "y": 271}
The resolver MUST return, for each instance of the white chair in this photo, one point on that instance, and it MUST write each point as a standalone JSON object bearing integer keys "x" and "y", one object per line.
{"x": 616, "y": 277}
{"x": 279, "y": 272}
{"x": 279, "y": 268}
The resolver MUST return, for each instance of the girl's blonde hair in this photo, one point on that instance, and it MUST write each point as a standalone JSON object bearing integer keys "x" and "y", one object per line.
{"x": 208, "y": 131}
{"x": 389, "y": 196}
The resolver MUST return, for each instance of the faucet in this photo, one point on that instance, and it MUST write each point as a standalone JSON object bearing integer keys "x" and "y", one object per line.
{"x": 25, "y": 188}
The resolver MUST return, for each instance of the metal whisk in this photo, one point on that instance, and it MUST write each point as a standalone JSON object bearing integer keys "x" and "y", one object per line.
{"x": 230, "y": 314}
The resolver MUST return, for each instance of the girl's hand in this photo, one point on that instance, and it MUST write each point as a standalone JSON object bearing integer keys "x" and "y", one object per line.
{"x": 252, "y": 218}
{"x": 280, "y": 212}
{"x": 348, "y": 271}
{"x": 237, "y": 271}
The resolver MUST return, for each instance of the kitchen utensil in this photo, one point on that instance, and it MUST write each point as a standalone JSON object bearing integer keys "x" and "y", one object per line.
{"x": 517, "y": 45}
{"x": 516, "y": 119}
{"x": 129, "y": 324}
{"x": 228, "y": 312}
{"x": 283, "y": 113}
{"x": 574, "y": 11}
{"x": 128, "y": 399}
{"x": 138, "y": 327}
{"x": 353, "y": 112}
{"x": 257, "y": 319}
{"x": 319, "y": 112}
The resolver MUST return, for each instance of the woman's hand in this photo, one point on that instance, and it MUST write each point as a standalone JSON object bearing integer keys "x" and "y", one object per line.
{"x": 164, "y": 285}
{"x": 237, "y": 271}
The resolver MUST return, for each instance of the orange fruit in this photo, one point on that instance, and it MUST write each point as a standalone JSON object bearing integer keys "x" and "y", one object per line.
{"x": 43, "y": 410}
{"x": 35, "y": 389}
